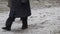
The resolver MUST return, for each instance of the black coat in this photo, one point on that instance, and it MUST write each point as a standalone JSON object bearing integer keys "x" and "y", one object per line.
{"x": 20, "y": 8}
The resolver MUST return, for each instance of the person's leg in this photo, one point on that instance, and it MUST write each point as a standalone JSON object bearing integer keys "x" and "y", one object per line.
{"x": 9, "y": 23}
{"x": 24, "y": 22}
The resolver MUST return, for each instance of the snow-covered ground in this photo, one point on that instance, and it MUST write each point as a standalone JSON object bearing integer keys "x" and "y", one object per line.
{"x": 42, "y": 21}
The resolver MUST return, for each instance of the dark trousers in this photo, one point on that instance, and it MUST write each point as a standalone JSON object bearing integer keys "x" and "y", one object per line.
{"x": 11, "y": 19}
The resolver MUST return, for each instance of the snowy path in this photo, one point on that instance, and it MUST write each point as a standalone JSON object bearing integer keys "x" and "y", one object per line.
{"x": 42, "y": 21}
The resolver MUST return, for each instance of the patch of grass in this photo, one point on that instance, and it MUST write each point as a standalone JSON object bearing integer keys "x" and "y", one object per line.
{"x": 2, "y": 10}
{"x": 3, "y": 0}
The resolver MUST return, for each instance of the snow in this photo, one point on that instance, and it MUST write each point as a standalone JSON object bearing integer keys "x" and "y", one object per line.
{"x": 42, "y": 21}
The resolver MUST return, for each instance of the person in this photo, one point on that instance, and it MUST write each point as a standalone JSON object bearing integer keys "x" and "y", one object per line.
{"x": 18, "y": 9}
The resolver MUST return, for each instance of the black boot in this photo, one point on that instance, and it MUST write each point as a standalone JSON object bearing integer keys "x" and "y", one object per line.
{"x": 6, "y": 28}
{"x": 24, "y": 27}
{"x": 24, "y": 22}
{"x": 9, "y": 23}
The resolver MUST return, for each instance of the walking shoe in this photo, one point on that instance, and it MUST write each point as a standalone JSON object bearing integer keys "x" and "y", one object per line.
{"x": 24, "y": 27}
{"x": 6, "y": 28}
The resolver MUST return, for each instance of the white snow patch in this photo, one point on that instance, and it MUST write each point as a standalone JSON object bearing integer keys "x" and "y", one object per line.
{"x": 42, "y": 21}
